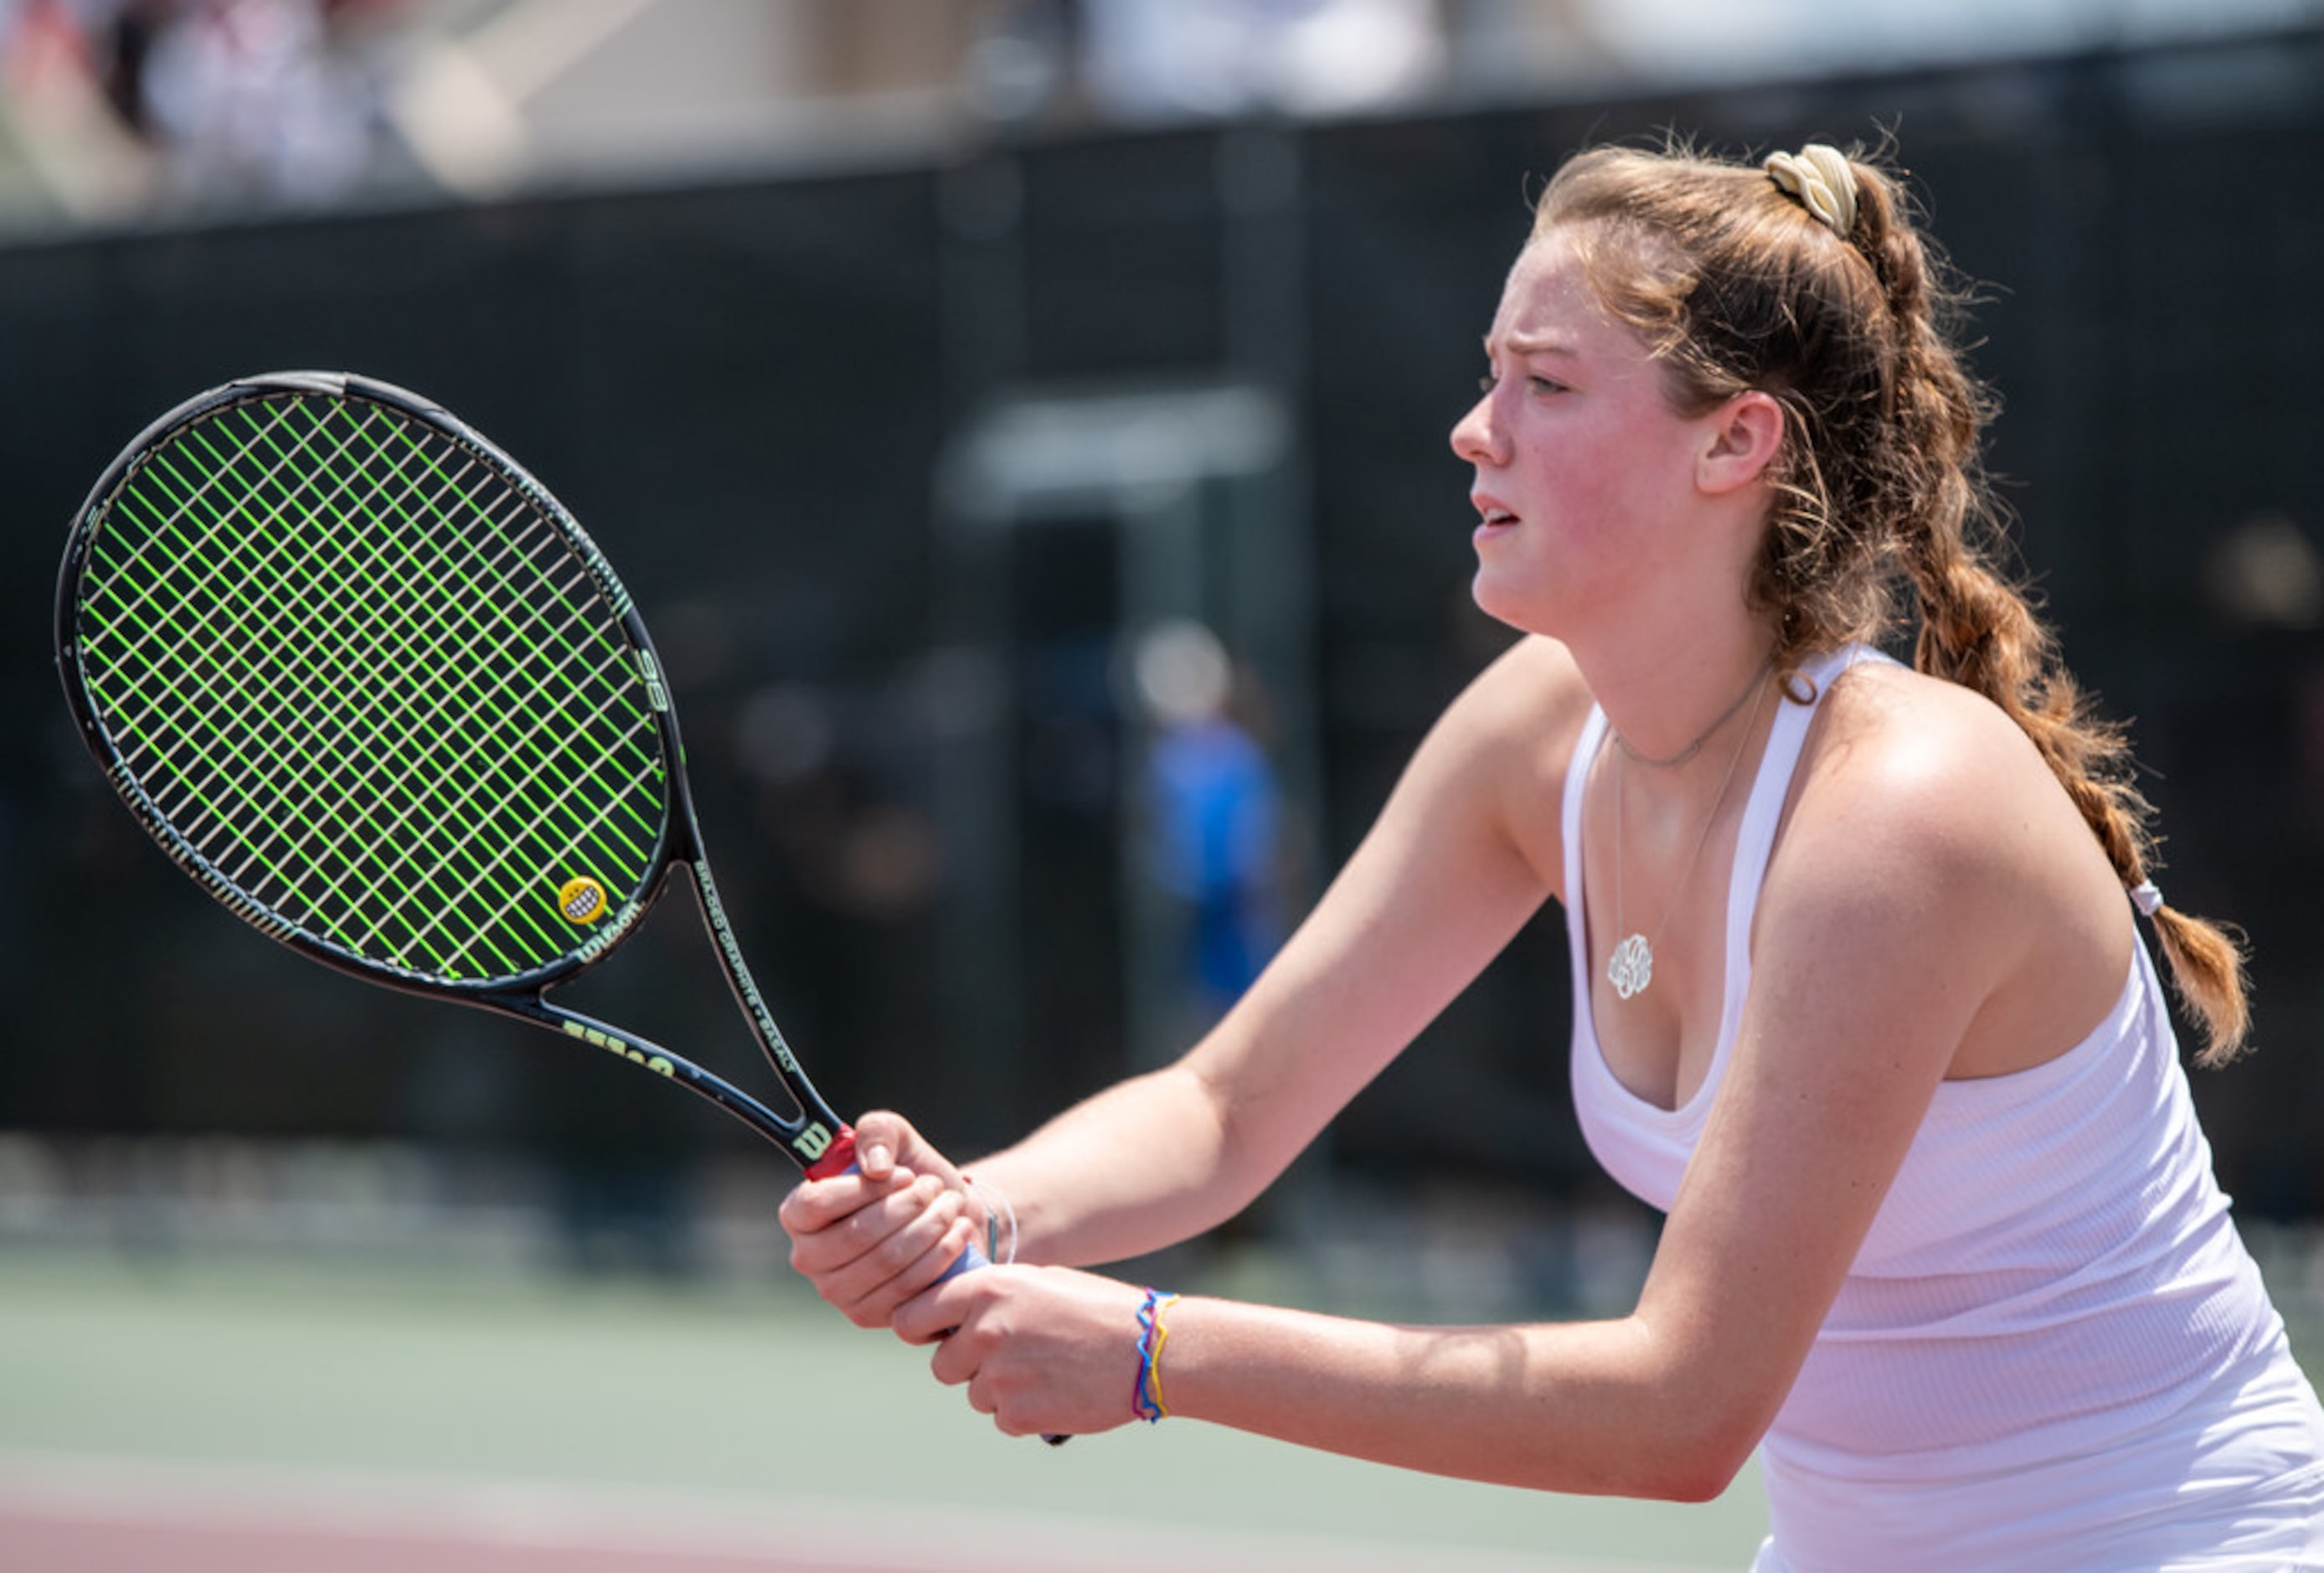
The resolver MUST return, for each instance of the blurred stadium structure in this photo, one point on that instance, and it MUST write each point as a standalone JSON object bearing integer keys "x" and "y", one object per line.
{"x": 914, "y": 360}
{"x": 121, "y": 108}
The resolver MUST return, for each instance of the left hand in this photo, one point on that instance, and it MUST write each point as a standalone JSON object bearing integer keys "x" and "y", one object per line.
{"x": 871, "y": 1238}
{"x": 1044, "y": 1351}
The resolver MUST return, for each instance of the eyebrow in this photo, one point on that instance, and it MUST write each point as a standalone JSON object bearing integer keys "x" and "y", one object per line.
{"x": 1525, "y": 343}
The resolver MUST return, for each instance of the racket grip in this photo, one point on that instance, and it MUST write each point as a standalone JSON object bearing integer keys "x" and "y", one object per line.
{"x": 839, "y": 1159}
{"x": 968, "y": 1261}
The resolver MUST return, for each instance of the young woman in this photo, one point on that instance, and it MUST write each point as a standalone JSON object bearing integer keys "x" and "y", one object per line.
{"x": 1860, "y": 997}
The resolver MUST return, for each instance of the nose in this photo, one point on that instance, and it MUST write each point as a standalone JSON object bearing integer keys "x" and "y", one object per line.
{"x": 1475, "y": 438}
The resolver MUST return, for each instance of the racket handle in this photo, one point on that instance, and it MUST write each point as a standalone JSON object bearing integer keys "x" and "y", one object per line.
{"x": 969, "y": 1261}
{"x": 966, "y": 1262}
{"x": 839, "y": 1159}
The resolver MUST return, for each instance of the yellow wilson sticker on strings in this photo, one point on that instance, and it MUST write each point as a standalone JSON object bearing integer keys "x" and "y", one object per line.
{"x": 581, "y": 900}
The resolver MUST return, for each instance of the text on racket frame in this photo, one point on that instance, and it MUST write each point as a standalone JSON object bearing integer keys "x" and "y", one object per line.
{"x": 604, "y": 1039}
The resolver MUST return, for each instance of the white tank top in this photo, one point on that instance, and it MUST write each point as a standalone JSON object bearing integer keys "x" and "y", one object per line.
{"x": 2052, "y": 1352}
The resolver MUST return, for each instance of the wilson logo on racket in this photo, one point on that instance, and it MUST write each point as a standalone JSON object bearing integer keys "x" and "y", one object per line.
{"x": 581, "y": 900}
{"x": 659, "y": 1064}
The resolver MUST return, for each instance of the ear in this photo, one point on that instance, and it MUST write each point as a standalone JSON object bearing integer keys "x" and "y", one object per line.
{"x": 1741, "y": 438}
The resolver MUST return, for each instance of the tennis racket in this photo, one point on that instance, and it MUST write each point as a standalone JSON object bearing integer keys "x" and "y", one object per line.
{"x": 365, "y": 681}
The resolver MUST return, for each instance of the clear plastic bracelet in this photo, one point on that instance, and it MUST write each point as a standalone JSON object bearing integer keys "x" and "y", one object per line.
{"x": 1000, "y": 1221}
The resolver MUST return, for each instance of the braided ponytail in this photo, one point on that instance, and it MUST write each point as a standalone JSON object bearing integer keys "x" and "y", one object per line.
{"x": 1977, "y": 629}
{"x": 1740, "y": 278}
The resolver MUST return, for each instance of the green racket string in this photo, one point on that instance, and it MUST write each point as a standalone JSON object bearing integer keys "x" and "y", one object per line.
{"x": 372, "y": 684}
{"x": 365, "y": 663}
{"x": 462, "y": 804}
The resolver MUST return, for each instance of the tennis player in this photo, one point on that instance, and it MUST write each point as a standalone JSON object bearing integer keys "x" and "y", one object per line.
{"x": 1862, "y": 997}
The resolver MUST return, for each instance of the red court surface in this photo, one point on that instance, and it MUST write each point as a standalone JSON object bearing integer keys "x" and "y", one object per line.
{"x": 106, "y": 1516}
{"x": 112, "y": 1516}
{"x": 32, "y": 1543}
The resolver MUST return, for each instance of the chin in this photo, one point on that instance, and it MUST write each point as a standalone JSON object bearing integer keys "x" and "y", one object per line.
{"x": 1496, "y": 598}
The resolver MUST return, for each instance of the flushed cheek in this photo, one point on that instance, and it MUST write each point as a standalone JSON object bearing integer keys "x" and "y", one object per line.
{"x": 1574, "y": 494}
{"x": 1531, "y": 567}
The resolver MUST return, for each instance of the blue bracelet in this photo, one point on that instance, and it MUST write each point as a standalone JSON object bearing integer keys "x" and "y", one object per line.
{"x": 1145, "y": 1397}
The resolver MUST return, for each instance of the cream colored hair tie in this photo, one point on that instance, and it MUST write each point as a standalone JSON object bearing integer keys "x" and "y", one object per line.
{"x": 1821, "y": 178}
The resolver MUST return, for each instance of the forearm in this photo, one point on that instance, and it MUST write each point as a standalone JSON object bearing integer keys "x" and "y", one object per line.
{"x": 1142, "y": 1165}
{"x": 1600, "y": 1408}
{"x": 1432, "y": 894}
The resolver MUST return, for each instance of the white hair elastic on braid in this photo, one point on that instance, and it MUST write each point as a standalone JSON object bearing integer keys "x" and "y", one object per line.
{"x": 2146, "y": 898}
{"x": 1820, "y": 177}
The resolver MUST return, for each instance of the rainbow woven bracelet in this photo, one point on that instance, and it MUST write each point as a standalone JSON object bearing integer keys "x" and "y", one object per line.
{"x": 1146, "y": 1396}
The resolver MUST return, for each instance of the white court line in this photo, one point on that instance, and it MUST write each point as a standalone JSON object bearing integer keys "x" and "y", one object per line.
{"x": 834, "y": 1532}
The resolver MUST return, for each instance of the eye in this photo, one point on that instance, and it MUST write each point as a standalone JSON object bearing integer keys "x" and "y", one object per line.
{"x": 1533, "y": 382}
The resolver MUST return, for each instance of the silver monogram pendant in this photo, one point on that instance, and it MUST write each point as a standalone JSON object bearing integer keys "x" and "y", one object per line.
{"x": 1631, "y": 966}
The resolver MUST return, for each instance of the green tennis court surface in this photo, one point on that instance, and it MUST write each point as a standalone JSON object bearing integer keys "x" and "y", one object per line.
{"x": 200, "y": 1413}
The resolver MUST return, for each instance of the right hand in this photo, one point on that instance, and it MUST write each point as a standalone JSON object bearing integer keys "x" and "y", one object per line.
{"x": 873, "y": 1239}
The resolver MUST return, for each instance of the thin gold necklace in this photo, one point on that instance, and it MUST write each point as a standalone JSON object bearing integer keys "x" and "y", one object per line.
{"x": 1702, "y": 737}
{"x": 1631, "y": 967}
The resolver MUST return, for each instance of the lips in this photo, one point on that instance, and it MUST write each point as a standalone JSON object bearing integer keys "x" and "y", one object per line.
{"x": 1491, "y": 513}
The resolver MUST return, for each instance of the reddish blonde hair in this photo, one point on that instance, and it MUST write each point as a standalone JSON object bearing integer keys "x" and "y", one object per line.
{"x": 1736, "y": 286}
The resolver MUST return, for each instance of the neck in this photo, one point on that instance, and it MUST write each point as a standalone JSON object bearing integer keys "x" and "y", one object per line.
{"x": 1664, "y": 712}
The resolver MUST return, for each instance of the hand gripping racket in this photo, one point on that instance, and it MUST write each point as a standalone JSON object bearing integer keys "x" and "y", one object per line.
{"x": 368, "y": 684}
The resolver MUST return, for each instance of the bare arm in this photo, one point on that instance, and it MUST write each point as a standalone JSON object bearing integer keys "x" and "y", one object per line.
{"x": 1437, "y": 888}
{"x": 1901, "y": 912}
{"x": 1455, "y": 863}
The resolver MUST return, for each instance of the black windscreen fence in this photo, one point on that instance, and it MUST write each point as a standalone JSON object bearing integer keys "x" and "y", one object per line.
{"x": 905, "y": 660}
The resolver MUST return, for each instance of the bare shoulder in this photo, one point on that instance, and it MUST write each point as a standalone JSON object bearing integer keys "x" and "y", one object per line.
{"x": 1922, "y": 815}
{"x": 1532, "y": 697}
{"x": 1923, "y": 755}
{"x": 1497, "y": 756}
